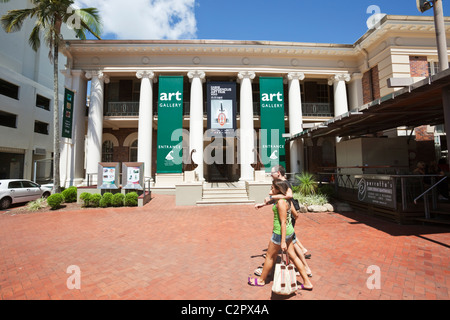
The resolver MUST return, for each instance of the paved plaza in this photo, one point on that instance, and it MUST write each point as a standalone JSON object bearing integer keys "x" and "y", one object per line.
{"x": 161, "y": 251}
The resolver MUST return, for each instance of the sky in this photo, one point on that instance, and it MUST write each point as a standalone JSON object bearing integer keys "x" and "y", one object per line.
{"x": 326, "y": 21}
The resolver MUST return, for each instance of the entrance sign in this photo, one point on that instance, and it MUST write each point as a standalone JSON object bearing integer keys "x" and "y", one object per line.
{"x": 108, "y": 175}
{"x": 272, "y": 122}
{"x": 67, "y": 114}
{"x": 170, "y": 118}
{"x": 221, "y": 108}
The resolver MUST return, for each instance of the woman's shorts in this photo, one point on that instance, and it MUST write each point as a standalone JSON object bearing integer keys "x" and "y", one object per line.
{"x": 276, "y": 238}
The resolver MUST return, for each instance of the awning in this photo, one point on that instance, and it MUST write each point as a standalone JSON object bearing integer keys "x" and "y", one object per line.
{"x": 413, "y": 106}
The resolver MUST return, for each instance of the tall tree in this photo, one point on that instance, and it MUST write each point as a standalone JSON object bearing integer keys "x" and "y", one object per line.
{"x": 49, "y": 16}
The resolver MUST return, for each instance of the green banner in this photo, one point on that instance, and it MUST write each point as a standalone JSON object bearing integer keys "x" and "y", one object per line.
{"x": 170, "y": 124}
{"x": 67, "y": 116}
{"x": 272, "y": 143}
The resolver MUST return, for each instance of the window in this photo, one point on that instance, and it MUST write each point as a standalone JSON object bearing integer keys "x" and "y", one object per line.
{"x": 133, "y": 151}
{"x": 371, "y": 85}
{"x": 8, "y": 89}
{"x": 29, "y": 184}
{"x": 41, "y": 127}
{"x": 107, "y": 151}
{"x": 42, "y": 102}
{"x": 8, "y": 119}
{"x": 433, "y": 67}
{"x": 14, "y": 185}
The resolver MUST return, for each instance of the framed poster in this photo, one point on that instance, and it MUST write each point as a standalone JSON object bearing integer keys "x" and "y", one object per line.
{"x": 221, "y": 108}
{"x": 133, "y": 175}
{"x": 108, "y": 175}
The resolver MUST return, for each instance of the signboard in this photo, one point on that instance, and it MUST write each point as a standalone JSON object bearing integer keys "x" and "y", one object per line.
{"x": 67, "y": 113}
{"x": 378, "y": 192}
{"x": 108, "y": 175}
{"x": 272, "y": 122}
{"x": 221, "y": 108}
{"x": 170, "y": 121}
{"x": 133, "y": 175}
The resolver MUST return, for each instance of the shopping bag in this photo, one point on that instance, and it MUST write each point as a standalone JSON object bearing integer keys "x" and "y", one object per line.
{"x": 284, "y": 280}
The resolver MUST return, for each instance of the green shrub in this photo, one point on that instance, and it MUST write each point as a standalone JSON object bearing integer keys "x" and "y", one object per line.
{"x": 85, "y": 196}
{"x": 308, "y": 185}
{"x": 117, "y": 200}
{"x": 70, "y": 194}
{"x": 94, "y": 200}
{"x": 55, "y": 200}
{"x": 106, "y": 199}
{"x": 326, "y": 190}
{"x": 131, "y": 199}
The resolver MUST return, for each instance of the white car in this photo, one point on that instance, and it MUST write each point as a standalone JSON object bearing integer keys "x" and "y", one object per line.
{"x": 20, "y": 190}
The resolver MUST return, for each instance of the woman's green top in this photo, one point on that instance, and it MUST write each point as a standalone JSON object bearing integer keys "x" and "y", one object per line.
{"x": 277, "y": 222}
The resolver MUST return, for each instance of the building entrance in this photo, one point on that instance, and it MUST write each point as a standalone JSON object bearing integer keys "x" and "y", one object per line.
{"x": 221, "y": 160}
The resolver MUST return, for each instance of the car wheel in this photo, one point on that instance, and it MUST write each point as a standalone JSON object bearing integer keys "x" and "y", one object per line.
{"x": 5, "y": 203}
{"x": 45, "y": 195}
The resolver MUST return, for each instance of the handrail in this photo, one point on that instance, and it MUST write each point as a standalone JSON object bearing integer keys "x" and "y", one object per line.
{"x": 415, "y": 200}
{"x": 427, "y": 209}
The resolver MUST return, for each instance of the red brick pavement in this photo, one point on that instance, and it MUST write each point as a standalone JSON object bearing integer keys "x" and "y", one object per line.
{"x": 161, "y": 251}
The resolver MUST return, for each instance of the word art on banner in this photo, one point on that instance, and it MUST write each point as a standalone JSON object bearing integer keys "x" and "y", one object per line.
{"x": 170, "y": 119}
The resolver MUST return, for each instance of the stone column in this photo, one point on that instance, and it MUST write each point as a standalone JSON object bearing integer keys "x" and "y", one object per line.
{"x": 356, "y": 91}
{"x": 340, "y": 92}
{"x": 246, "y": 130}
{"x": 196, "y": 120}
{"x": 95, "y": 123}
{"x": 145, "y": 126}
{"x": 295, "y": 120}
{"x": 79, "y": 86}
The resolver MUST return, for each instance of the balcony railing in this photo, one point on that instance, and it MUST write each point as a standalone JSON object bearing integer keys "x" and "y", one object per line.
{"x": 131, "y": 109}
{"x": 121, "y": 109}
{"x": 317, "y": 110}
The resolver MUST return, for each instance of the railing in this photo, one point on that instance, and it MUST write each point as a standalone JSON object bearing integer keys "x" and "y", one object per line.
{"x": 121, "y": 109}
{"x": 131, "y": 109}
{"x": 425, "y": 198}
{"x": 317, "y": 110}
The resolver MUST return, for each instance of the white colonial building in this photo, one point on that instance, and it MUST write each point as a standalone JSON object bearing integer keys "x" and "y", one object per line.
{"x": 133, "y": 97}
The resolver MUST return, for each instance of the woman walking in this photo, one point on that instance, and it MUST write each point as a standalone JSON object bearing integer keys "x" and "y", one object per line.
{"x": 282, "y": 238}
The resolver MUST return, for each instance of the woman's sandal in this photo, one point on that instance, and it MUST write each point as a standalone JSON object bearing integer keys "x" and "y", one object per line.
{"x": 258, "y": 271}
{"x": 254, "y": 282}
{"x": 302, "y": 287}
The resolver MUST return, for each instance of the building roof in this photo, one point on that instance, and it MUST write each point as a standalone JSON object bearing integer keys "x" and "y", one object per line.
{"x": 418, "y": 104}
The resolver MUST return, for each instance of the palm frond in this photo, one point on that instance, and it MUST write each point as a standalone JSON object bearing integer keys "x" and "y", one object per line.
{"x": 14, "y": 19}
{"x": 34, "y": 39}
{"x": 89, "y": 21}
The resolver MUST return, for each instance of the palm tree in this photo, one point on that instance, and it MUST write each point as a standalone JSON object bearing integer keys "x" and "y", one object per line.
{"x": 49, "y": 16}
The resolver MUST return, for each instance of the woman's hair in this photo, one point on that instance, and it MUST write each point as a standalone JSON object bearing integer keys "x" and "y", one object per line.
{"x": 280, "y": 185}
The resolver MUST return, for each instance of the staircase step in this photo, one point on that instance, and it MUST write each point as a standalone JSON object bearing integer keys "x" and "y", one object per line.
{"x": 211, "y": 202}
{"x": 225, "y": 196}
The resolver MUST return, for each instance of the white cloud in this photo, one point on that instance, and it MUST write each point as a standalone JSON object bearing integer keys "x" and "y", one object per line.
{"x": 146, "y": 19}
